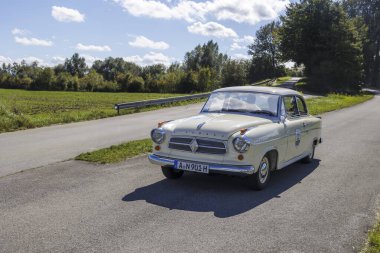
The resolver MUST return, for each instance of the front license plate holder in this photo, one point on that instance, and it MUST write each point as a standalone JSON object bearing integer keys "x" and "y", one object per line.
{"x": 193, "y": 167}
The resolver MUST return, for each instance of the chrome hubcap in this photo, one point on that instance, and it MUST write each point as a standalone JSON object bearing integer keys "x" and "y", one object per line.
{"x": 263, "y": 170}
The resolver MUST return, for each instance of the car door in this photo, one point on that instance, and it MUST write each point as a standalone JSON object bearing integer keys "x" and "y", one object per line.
{"x": 293, "y": 127}
{"x": 306, "y": 137}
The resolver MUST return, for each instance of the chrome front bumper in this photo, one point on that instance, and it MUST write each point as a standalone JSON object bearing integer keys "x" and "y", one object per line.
{"x": 217, "y": 168}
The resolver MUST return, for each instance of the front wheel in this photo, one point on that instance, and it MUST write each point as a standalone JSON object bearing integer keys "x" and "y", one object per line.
{"x": 171, "y": 173}
{"x": 260, "y": 179}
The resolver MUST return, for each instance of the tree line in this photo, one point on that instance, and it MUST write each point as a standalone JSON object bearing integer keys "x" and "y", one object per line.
{"x": 335, "y": 43}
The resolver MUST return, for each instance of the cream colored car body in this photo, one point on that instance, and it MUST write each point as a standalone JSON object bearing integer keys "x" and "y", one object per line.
{"x": 291, "y": 138}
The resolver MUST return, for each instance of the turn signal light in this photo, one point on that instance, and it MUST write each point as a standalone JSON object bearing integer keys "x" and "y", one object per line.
{"x": 157, "y": 148}
{"x": 160, "y": 124}
{"x": 243, "y": 130}
{"x": 240, "y": 157}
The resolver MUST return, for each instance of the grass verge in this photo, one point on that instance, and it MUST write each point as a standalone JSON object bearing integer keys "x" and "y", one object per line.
{"x": 334, "y": 102}
{"x": 373, "y": 242}
{"x": 117, "y": 153}
{"x": 121, "y": 152}
{"x": 21, "y": 109}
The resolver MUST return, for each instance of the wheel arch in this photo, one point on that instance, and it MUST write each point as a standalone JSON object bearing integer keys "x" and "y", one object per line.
{"x": 273, "y": 157}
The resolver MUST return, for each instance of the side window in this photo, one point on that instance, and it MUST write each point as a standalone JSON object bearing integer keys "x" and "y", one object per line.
{"x": 301, "y": 107}
{"x": 291, "y": 106}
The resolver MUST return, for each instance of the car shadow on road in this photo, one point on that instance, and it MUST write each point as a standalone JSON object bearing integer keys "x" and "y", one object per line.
{"x": 225, "y": 196}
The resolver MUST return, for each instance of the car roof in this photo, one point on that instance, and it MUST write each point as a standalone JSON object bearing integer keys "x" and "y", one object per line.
{"x": 260, "y": 89}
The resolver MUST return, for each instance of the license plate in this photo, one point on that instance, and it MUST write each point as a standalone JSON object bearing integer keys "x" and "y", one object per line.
{"x": 189, "y": 166}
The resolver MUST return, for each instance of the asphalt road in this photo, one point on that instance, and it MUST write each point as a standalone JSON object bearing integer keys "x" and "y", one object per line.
{"x": 325, "y": 206}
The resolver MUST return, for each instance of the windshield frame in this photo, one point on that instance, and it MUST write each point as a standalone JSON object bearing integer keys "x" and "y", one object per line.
{"x": 249, "y": 113}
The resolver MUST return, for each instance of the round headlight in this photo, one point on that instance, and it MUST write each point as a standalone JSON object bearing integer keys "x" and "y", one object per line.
{"x": 158, "y": 135}
{"x": 241, "y": 144}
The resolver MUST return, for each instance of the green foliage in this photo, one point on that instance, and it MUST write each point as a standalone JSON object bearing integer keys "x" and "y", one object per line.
{"x": 136, "y": 84}
{"x": 319, "y": 34}
{"x": 366, "y": 15}
{"x": 266, "y": 56}
{"x": 373, "y": 244}
{"x": 110, "y": 68}
{"x": 205, "y": 56}
{"x": 76, "y": 65}
{"x": 117, "y": 153}
{"x": 235, "y": 73}
{"x": 44, "y": 80}
{"x": 91, "y": 81}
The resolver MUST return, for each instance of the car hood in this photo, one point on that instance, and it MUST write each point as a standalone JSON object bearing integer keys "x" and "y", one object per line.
{"x": 215, "y": 125}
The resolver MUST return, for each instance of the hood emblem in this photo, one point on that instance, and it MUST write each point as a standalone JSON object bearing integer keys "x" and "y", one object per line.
{"x": 194, "y": 145}
{"x": 200, "y": 125}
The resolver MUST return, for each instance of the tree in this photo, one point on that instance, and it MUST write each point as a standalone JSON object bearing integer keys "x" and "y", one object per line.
{"x": 205, "y": 56}
{"x": 266, "y": 56}
{"x": 44, "y": 79}
{"x": 320, "y": 35}
{"x": 76, "y": 65}
{"x": 91, "y": 81}
{"x": 367, "y": 12}
{"x": 235, "y": 73}
{"x": 111, "y": 67}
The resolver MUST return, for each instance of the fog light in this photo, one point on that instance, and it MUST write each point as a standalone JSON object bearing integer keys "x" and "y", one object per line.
{"x": 157, "y": 148}
{"x": 240, "y": 157}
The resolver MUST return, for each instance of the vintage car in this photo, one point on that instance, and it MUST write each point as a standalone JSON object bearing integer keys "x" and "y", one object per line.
{"x": 246, "y": 130}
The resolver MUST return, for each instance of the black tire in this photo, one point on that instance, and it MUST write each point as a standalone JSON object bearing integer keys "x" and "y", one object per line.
{"x": 310, "y": 157}
{"x": 259, "y": 180}
{"x": 171, "y": 173}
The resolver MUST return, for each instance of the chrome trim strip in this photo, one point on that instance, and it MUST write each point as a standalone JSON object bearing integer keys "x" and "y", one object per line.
{"x": 233, "y": 169}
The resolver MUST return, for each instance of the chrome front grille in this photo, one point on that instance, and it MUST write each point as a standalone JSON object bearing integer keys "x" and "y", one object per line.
{"x": 198, "y": 145}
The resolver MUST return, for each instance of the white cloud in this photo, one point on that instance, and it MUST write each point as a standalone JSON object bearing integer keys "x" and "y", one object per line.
{"x": 33, "y": 41}
{"x": 58, "y": 59}
{"x": 241, "y": 56}
{"x": 31, "y": 59}
{"x": 141, "y": 41}
{"x": 211, "y": 29}
{"x": 247, "y": 11}
{"x": 242, "y": 42}
{"x": 150, "y": 59}
{"x": 241, "y": 11}
{"x": 5, "y": 59}
{"x": 17, "y": 31}
{"x": 187, "y": 10}
{"x": 95, "y": 48}
{"x": 63, "y": 14}
{"x": 90, "y": 59}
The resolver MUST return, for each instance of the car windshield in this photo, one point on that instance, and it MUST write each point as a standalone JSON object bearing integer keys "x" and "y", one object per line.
{"x": 244, "y": 102}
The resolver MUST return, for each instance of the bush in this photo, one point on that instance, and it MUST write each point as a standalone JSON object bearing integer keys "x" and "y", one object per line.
{"x": 136, "y": 84}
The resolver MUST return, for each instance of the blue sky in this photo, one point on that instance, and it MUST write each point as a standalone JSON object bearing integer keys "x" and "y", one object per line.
{"x": 143, "y": 31}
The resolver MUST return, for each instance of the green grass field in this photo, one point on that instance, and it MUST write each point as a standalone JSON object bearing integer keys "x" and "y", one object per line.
{"x": 334, "y": 102}
{"x": 20, "y": 109}
{"x": 121, "y": 152}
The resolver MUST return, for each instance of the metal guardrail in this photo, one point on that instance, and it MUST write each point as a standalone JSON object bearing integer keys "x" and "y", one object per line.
{"x": 264, "y": 82}
{"x": 160, "y": 101}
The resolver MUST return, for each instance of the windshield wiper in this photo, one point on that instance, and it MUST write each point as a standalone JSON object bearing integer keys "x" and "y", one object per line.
{"x": 264, "y": 112}
{"x": 233, "y": 110}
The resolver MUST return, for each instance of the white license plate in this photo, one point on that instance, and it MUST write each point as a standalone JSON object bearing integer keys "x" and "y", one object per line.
{"x": 189, "y": 166}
